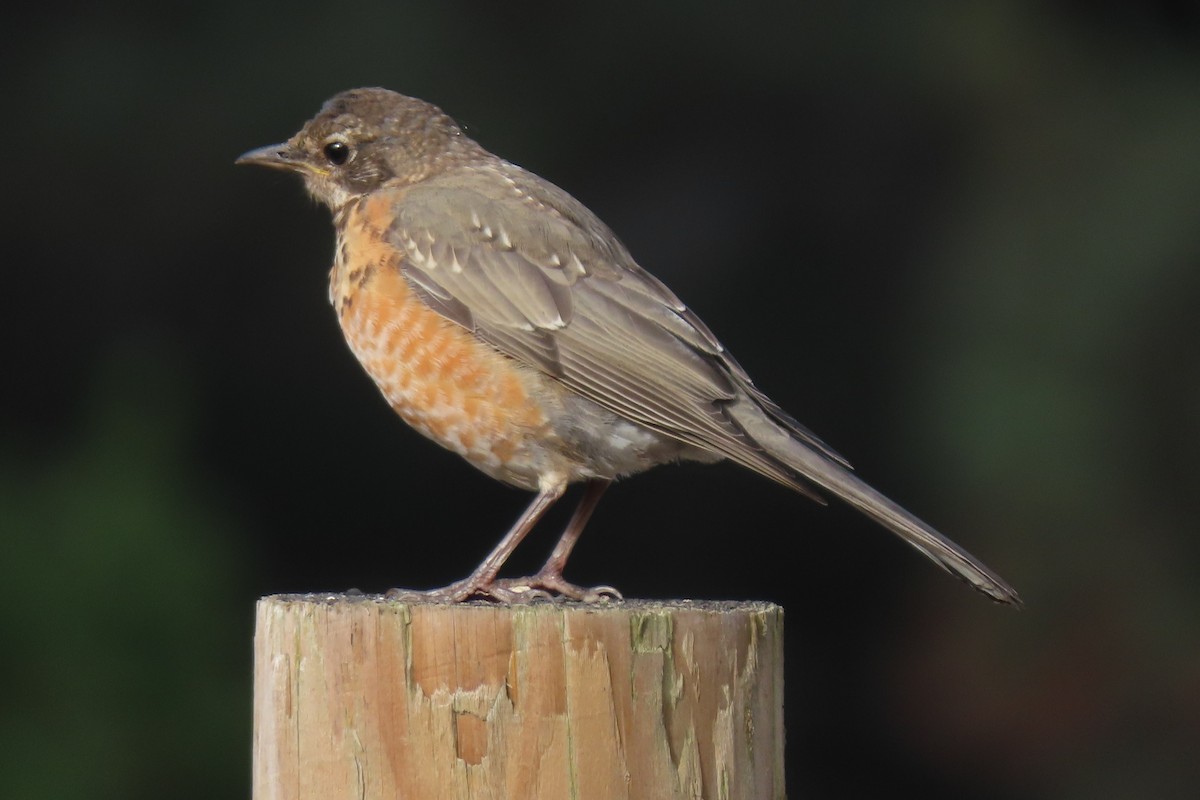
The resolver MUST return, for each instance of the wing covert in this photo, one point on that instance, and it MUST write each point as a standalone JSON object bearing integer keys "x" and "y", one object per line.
{"x": 557, "y": 289}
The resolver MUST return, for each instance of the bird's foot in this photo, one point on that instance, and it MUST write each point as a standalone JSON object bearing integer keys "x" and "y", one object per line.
{"x": 543, "y": 586}
{"x": 548, "y": 586}
{"x": 456, "y": 592}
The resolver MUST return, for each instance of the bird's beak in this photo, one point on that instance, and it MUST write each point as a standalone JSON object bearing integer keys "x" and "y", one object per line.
{"x": 275, "y": 156}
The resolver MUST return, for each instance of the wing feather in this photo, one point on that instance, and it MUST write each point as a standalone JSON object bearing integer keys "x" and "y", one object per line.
{"x": 557, "y": 290}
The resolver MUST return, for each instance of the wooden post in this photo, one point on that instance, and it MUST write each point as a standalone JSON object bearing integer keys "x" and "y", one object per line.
{"x": 365, "y": 698}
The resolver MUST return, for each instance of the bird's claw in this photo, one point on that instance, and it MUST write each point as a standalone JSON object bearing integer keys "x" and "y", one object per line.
{"x": 454, "y": 593}
{"x": 509, "y": 591}
{"x": 550, "y": 586}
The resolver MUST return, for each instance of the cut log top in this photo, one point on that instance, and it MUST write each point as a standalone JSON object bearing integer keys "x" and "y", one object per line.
{"x": 361, "y": 697}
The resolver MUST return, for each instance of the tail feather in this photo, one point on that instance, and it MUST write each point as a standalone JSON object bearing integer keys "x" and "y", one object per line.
{"x": 821, "y": 471}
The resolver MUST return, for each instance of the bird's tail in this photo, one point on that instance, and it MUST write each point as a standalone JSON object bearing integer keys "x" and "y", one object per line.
{"x": 822, "y": 471}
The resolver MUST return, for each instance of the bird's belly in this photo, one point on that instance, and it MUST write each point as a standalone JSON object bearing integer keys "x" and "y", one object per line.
{"x": 446, "y": 384}
{"x": 437, "y": 376}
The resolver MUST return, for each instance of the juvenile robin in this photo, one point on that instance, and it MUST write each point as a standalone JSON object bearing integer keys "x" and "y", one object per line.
{"x": 505, "y": 321}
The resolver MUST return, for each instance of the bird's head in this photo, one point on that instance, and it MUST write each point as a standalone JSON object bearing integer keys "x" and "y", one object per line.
{"x": 363, "y": 139}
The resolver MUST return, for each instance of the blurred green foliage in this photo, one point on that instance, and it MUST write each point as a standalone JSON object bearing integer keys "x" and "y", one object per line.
{"x": 126, "y": 655}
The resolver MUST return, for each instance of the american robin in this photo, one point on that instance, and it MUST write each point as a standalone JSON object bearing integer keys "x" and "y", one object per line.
{"x": 505, "y": 321}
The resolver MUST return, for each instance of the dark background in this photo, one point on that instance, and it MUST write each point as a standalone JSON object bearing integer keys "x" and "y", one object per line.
{"x": 958, "y": 240}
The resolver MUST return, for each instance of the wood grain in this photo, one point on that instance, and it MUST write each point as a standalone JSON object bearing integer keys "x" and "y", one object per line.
{"x": 360, "y": 697}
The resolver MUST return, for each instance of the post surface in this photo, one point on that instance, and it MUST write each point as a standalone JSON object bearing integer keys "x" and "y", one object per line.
{"x": 360, "y": 697}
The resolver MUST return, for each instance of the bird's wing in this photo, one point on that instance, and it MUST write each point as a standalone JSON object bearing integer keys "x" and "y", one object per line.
{"x": 531, "y": 271}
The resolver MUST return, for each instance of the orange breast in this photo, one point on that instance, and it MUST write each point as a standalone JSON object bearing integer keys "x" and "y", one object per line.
{"x": 439, "y": 378}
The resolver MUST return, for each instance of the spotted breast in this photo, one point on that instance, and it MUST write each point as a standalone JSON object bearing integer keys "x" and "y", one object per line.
{"x": 438, "y": 377}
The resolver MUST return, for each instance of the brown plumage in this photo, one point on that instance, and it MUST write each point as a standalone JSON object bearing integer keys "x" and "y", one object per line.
{"x": 505, "y": 321}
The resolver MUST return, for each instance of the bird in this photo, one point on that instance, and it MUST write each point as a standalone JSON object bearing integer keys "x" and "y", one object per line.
{"x": 504, "y": 320}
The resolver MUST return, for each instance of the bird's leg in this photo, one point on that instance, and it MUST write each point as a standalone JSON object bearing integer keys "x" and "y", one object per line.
{"x": 549, "y": 579}
{"x": 483, "y": 580}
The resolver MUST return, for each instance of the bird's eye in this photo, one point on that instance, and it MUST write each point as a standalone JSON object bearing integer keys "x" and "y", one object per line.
{"x": 338, "y": 153}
